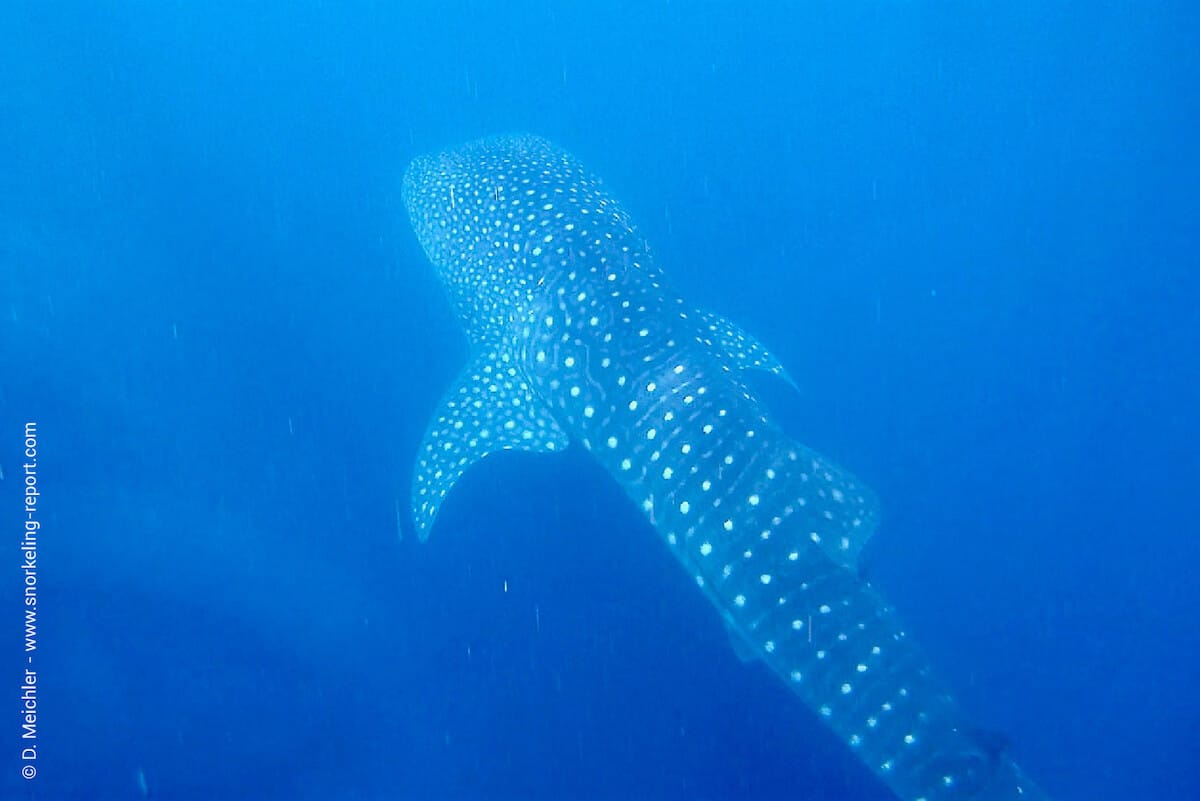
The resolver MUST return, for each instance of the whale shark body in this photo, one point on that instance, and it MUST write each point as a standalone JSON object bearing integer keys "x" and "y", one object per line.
{"x": 577, "y": 337}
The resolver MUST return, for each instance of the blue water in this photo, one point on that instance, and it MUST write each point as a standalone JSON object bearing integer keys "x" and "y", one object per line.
{"x": 969, "y": 233}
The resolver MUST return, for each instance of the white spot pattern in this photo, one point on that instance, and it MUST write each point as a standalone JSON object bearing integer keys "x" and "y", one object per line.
{"x": 575, "y": 335}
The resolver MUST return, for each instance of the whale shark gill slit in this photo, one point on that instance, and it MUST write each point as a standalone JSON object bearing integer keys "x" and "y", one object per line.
{"x": 577, "y": 336}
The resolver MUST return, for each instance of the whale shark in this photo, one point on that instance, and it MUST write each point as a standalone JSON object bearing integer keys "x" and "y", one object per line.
{"x": 578, "y": 339}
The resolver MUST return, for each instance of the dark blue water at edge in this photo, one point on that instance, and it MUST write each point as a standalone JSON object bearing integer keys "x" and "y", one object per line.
{"x": 968, "y": 233}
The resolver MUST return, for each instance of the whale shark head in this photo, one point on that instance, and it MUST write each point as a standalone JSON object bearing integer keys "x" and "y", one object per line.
{"x": 497, "y": 217}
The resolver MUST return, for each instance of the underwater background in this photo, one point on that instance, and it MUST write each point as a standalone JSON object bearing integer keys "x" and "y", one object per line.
{"x": 969, "y": 231}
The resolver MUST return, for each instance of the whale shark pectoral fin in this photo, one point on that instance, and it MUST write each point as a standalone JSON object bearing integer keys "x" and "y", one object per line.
{"x": 741, "y": 350}
{"x": 489, "y": 408}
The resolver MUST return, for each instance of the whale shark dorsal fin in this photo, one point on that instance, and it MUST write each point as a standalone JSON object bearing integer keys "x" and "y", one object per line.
{"x": 489, "y": 408}
{"x": 738, "y": 348}
{"x": 843, "y": 512}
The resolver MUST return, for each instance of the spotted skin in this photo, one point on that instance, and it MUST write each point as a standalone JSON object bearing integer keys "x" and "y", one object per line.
{"x": 579, "y": 338}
